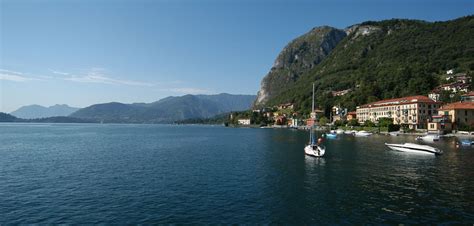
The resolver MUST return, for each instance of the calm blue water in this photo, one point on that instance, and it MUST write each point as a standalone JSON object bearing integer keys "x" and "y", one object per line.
{"x": 82, "y": 173}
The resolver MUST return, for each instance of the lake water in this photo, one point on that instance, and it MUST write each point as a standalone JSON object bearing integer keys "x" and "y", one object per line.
{"x": 90, "y": 173}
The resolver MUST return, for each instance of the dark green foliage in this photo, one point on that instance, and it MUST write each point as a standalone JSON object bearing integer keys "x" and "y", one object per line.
{"x": 323, "y": 120}
{"x": 353, "y": 122}
{"x": 340, "y": 123}
{"x": 398, "y": 58}
{"x": 393, "y": 127}
{"x": 369, "y": 123}
{"x": 384, "y": 122}
{"x": 218, "y": 119}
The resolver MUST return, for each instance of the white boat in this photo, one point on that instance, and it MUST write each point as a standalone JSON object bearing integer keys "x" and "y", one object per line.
{"x": 339, "y": 131}
{"x": 428, "y": 138}
{"x": 348, "y": 132}
{"x": 415, "y": 148}
{"x": 314, "y": 148}
{"x": 362, "y": 133}
{"x": 393, "y": 134}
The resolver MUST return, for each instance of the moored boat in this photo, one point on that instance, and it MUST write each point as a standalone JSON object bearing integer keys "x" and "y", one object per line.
{"x": 362, "y": 133}
{"x": 393, "y": 134}
{"x": 415, "y": 148}
{"x": 428, "y": 138}
{"x": 339, "y": 131}
{"x": 331, "y": 135}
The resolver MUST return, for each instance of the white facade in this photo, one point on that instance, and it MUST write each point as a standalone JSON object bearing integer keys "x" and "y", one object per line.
{"x": 244, "y": 121}
{"x": 411, "y": 111}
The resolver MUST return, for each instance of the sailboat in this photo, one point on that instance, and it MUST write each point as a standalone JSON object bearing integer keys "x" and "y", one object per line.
{"x": 314, "y": 148}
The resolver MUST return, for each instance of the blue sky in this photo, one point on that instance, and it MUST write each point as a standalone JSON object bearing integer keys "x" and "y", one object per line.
{"x": 86, "y": 52}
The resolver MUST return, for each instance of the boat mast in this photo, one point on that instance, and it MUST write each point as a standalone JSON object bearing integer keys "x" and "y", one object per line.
{"x": 312, "y": 108}
{"x": 311, "y": 138}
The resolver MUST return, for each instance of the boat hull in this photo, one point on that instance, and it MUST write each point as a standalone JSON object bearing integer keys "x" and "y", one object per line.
{"x": 314, "y": 150}
{"x": 420, "y": 149}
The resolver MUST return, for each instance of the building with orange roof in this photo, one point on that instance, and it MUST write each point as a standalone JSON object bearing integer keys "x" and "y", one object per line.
{"x": 351, "y": 115}
{"x": 460, "y": 113}
{"x": 412, "y": 112}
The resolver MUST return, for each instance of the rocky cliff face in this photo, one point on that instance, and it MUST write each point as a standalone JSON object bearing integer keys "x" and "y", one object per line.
{"x": 297, "y": 58}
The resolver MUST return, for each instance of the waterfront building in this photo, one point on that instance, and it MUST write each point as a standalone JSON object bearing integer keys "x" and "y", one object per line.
{"x": 351, "y": 115}
{"x": 460, "y": 113}
{"x": 316, "y": 114}
{"x": 243, "y": 121}
{"x": 440, "y": 124}
{"x": 412, "y": 112}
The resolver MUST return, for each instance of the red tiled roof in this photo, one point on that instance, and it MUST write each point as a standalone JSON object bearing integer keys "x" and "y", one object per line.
{"x": 458, "y": 106}
{"x": 352, "y": 113}
{"x": 402, "y": 100}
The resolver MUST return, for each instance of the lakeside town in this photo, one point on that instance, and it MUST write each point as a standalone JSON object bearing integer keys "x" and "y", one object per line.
{"x": 410, "y": 114}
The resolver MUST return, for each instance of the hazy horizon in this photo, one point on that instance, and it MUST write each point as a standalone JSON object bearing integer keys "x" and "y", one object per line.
{"x": 86, "y": 52}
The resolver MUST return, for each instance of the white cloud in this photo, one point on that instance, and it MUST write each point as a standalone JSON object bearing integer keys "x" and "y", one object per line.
{"x": 91, "y": 78}
{"x": 96, "y": 75}
{"x": 58, "y": 72}
{"x": 14, "y": 76}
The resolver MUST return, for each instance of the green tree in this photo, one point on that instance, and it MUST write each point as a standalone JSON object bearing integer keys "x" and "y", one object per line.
{"x": 323, "y": 120}
{"x": 385, "y": 122}
{"x": 353, "y": 122}
{"x": 369, "y": 123}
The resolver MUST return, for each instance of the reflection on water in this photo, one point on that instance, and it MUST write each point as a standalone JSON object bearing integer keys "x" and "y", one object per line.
{"x": 314, "y": 161}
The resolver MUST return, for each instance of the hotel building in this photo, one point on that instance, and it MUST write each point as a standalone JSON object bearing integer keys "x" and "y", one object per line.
{"x": 413, "y": 111}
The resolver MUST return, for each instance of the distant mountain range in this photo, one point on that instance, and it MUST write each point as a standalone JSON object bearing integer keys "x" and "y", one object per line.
{"x": 38, "y": 111}
{"x": 167, "y": 110}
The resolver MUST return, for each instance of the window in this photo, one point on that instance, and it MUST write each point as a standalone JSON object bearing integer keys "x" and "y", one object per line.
{"x": 432, "y": 126}
{"x": 465, "y": 112}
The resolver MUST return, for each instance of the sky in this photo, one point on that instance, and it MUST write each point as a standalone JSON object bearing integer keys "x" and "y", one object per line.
{"x": 83, "y": 52}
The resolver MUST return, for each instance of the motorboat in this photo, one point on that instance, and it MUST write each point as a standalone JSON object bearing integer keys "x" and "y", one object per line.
{"x": 428, "y": 138}
{"x": 415, "y": 148}
{"x": 339, "y": 131}
{"x": 331, "y": 135}
{"x": 348, "y": 132}
{"x": 362, "y": 133}
{"x": 465, "y": 142}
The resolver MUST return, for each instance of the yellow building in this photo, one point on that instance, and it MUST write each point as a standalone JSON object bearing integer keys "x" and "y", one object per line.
{"x": 412, "y": 111}
{"x": 460, "y": 113}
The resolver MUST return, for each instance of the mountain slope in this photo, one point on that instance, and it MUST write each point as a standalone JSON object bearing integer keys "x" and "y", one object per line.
{"x": 4, "y": 117}
{"x": 297, "y": 58}
{"x": 168, "y": 109}
{"x": 385, "y": 59}
{"x": 38, "y": 111}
